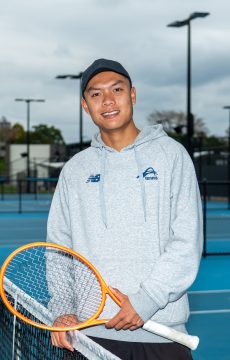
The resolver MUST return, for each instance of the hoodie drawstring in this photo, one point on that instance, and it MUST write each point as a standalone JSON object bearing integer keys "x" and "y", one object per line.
{"x": 101, "y": 187}
{"x": 141, "y": 180}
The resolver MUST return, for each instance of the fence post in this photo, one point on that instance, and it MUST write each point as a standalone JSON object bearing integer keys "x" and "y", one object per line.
{"x": 36, "y": 189}
{"x": 19, "y": 196}
{"x": 2, "y": 190}
{"x": 205, "y": 216}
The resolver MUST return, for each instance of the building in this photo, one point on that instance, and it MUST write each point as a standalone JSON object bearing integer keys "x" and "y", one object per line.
{"x": 46, "y": 160}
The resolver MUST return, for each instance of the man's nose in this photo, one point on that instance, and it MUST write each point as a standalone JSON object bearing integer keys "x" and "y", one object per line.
{"x": 108, "y": 99}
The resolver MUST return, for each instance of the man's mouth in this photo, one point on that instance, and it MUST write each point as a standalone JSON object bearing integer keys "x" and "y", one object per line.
{"x": 110, "y": 114}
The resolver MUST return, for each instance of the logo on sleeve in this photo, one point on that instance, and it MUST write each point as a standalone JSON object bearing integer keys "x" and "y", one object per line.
{"x": 94, "y": 178}
{"x": 149, "y": 174}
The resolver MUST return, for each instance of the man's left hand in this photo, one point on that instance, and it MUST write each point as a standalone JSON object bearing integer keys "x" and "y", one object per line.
{"x": 126, "y": 318}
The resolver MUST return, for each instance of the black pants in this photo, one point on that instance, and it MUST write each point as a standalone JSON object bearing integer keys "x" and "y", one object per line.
{"x": 142, "y": 351}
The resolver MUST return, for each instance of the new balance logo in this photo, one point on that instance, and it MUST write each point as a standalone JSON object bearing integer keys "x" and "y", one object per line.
{"x": 149, "y": 174}
{"x": 94, "y": 178}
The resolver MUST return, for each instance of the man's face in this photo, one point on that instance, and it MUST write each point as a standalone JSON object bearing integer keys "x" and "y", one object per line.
{"x": 109, "y": 101}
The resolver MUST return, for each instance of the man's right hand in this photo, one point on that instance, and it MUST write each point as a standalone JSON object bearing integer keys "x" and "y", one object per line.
{"x": 60, "y": 338}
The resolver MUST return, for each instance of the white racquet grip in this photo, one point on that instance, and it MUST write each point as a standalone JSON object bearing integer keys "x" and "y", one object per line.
{"x": 172, "y": 334}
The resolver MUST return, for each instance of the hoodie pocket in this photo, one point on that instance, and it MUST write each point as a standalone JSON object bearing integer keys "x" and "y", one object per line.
{"x": 174, "y": 313}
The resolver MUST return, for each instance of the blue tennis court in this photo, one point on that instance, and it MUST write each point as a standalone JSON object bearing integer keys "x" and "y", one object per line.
{"x": 209, "y": 299}
{"x": 209, "y": 296}
{"x": 24, "y": 203}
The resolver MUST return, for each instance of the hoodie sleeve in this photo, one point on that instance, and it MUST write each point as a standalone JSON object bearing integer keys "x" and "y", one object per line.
{"x": 58, "y": 227}
{"x": 177, "y": 266}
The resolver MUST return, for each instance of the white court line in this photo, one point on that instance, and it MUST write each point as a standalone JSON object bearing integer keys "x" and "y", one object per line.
{"x": 208, "y": 291}
{"x": 204, "y": 312}
{"x": 207, "y": 312}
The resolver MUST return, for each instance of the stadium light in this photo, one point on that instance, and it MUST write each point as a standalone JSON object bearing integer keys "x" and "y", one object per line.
{"x": 190, "y": 122}
{"x": 76, "y": 77}
{"x": 228, "y": 108}
{"x": 28, "y": 101}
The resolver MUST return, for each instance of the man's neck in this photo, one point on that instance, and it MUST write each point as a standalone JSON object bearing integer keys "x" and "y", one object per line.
{"x": 120, "y": 138}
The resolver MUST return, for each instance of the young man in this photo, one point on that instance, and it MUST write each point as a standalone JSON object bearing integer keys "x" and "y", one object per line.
{"x": 130, "y": 204}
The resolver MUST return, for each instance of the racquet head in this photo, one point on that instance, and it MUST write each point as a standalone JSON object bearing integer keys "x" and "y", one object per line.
{"x": 52, "y": 287}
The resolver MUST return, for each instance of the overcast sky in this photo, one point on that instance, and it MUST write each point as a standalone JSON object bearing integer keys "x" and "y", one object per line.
{"x": 40, "y": 39}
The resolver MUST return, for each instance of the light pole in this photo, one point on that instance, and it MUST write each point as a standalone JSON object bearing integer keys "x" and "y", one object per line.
{"x": 190, "y": 124}
{"x": 28, "y": 101}
{"x": 76, "y": 77}
{"x": 228, "y": 108}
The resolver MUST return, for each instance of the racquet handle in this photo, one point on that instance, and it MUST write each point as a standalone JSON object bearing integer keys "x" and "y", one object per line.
{"x": 172, "y": 334}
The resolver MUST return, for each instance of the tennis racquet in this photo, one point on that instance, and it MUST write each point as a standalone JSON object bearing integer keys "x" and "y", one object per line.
{"x": 69, "y": 288}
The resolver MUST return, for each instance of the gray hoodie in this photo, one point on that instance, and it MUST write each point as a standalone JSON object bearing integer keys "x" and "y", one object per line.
{"x": 136, "y": 215}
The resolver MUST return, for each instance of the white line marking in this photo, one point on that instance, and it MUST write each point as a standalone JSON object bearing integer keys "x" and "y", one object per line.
{"x": 204, "y": 312}
{"x": 208, "y": 292}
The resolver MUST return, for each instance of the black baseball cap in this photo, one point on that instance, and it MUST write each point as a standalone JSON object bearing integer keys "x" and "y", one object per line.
{"x": 99, "y": 66}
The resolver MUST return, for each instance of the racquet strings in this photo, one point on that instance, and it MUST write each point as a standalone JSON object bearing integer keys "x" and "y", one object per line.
{"x": 54, "y": 280}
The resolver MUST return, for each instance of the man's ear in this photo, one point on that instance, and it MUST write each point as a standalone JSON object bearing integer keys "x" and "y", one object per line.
{"x": 133, "y": 95}
{"x": 84, "y": 105}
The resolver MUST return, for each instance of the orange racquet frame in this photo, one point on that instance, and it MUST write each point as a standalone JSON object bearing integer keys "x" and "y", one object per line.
{"x": 90, "y": 322}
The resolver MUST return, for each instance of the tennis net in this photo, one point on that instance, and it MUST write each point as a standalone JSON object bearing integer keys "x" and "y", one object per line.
{"x": 20, "y": 341}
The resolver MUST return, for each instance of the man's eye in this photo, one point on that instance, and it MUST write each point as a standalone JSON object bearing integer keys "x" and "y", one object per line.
{"x": 118, "y": 89}
{"x": 95, "y": 94}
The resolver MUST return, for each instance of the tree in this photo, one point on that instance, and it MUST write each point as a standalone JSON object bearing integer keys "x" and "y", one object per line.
{"x": 175, "y": 123}
{"x": 2, "y": 166}
{"x": 5, "y": 129}
{"x": 18, "y": 134}
{"x": 41, "y": 134}
{"x": 214, "y": 142}
{"x": 44, "y": 134}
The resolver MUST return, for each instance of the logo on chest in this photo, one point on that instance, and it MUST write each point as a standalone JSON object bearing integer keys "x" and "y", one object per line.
{"x": 149, "y": 174}
{"x": 94, "y": 178}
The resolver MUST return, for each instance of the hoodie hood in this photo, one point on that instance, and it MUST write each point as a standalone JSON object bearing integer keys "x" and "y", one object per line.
{"x": 147, "y": 134}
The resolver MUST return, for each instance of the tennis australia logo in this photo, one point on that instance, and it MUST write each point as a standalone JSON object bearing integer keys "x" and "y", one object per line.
{"x": 94, "y": 178}
{"x": 149, "y": 174}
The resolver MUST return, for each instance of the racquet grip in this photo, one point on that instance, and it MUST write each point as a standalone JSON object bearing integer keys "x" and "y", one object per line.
{"x": 172, "y": 334}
